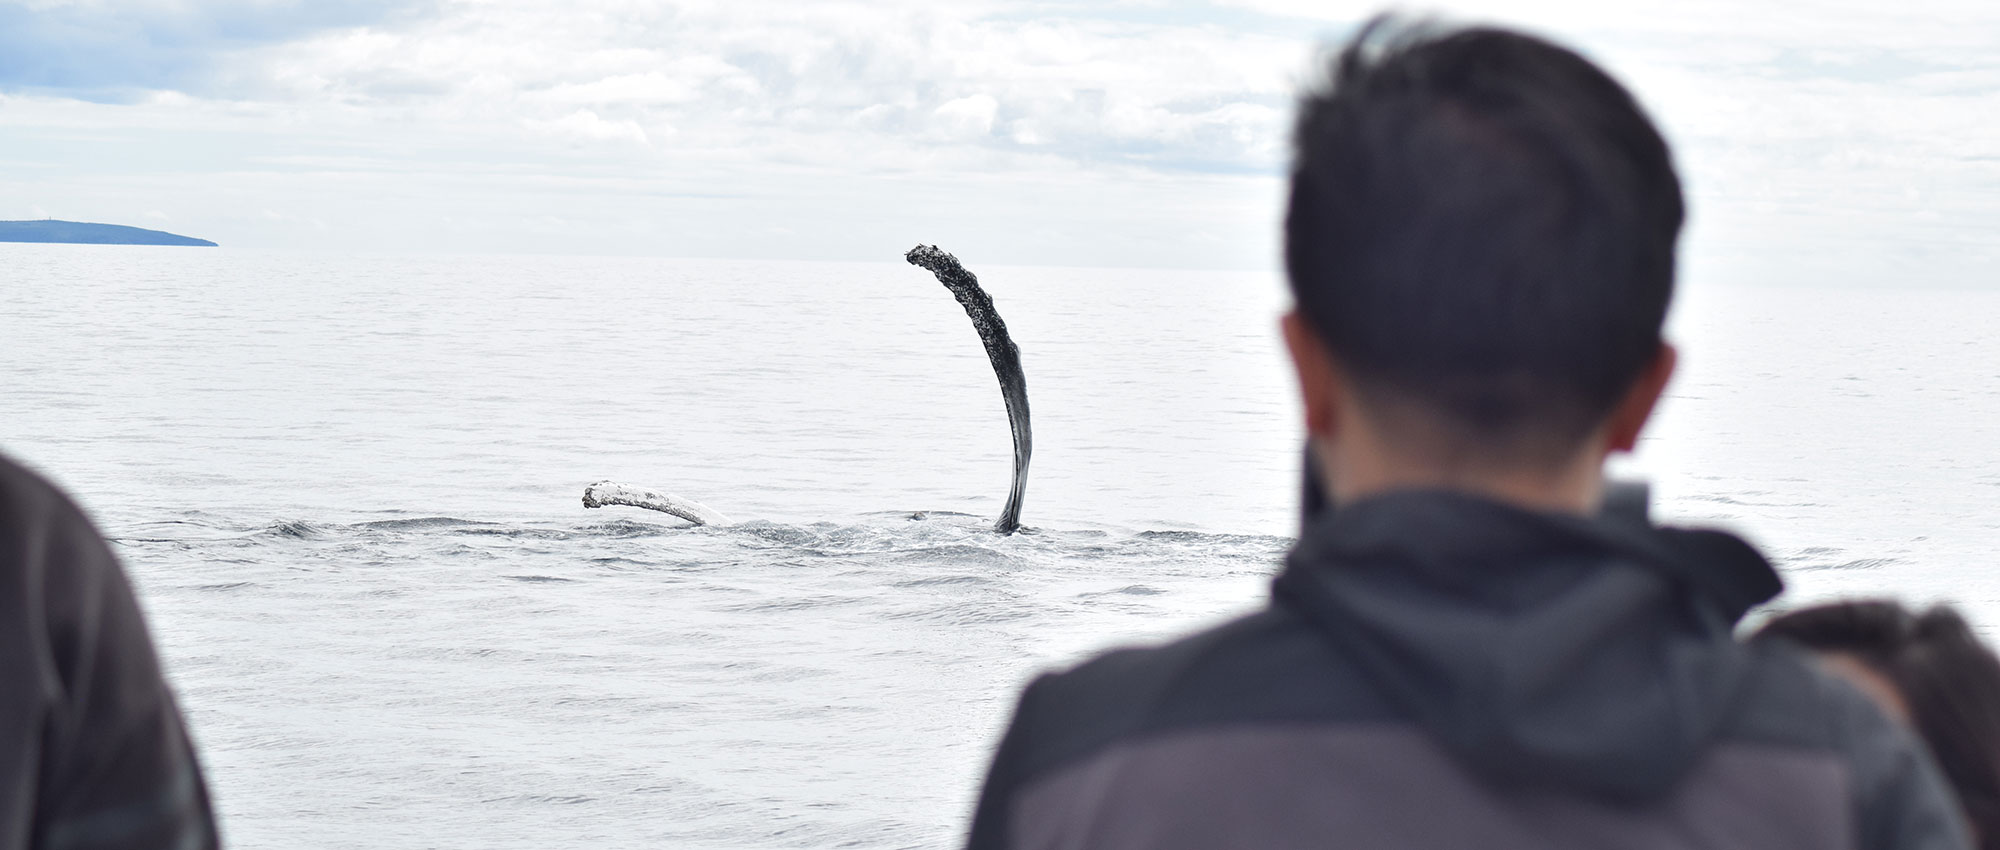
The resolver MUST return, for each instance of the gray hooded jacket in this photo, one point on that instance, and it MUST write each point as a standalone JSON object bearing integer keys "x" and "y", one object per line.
{"x": 93, "y": 753}
{"x": 1439, "y": 671}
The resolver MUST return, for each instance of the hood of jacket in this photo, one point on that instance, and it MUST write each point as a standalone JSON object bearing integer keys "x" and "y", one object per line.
{"x": 1594, "y": 655}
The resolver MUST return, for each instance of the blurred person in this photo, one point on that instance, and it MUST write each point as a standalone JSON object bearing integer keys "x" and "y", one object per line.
{"x": 1928, "y": 670}
{"x": 93, "y": 752}
{"x": 1465, "y": 649}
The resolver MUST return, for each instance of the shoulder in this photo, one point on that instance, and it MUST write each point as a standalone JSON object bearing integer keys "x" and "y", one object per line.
{"x": 26, "y": 497}
{"x": 34, "y": 514}
{"x": 46, "y": 540}
{"x": 1264, "y": 668}
{"x": 1789, "y": 700}
{"x": 1899, "y": 796}
{"x": 53, "y": 561}
{"x": 63, "y": 596}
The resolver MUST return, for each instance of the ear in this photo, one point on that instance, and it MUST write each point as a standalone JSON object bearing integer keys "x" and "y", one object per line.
{"x": 1319, "y": 379}
{"x": 1629, "y": 417}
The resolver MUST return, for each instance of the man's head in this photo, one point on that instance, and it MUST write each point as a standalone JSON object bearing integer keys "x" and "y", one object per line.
{"x": 1481, "y": 247}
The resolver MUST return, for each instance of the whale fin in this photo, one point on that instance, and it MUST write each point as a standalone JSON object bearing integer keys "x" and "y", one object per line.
{"x": 605, "y": 493}
{"x": 1005, "y": 357}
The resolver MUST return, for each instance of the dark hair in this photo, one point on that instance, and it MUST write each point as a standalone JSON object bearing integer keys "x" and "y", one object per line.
{"x": 1949, "y": 680}
{"x": 1483, "y": 223}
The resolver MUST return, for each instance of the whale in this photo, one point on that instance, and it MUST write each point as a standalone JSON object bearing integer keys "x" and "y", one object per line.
{"x": 1001, "y": 352}
{"x": 602, "y": 493}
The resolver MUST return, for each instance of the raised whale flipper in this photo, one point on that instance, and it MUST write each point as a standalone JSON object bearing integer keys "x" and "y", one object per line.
{"x": 1006, "y": 358}
{"x": 612, "y": 493}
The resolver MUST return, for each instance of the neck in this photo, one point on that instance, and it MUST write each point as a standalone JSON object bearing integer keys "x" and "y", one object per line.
{"x": 1362, "y": 464}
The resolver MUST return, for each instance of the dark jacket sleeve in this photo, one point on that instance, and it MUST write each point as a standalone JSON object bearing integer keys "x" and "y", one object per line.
{"x": 1903, "y": 800}
{"x": 117, "y": 769}
{"x": 991, "y": 820}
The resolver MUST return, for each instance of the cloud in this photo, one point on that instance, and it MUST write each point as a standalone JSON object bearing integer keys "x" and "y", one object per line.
{"x": 967, "y": 117}
{"x": 98, "y": 50}
{"x": 651, "y": 87}
{"x": 585, "y": 126}
{"x": 1823, "y": 128}
{"x": 887, "y": 78}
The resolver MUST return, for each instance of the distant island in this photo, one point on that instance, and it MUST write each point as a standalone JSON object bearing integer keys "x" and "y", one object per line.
{"x": 80, "y": 232}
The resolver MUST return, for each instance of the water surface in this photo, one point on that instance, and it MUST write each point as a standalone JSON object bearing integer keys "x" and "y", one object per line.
{"x": 349, "y": 491}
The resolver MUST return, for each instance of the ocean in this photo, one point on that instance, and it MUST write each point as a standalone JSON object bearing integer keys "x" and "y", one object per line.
{"x": 348, "y": 489}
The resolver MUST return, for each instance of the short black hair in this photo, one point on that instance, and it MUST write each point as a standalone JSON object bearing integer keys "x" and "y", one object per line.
{"x": 1484, "y": 223}
{"x": 1949, "y": 680}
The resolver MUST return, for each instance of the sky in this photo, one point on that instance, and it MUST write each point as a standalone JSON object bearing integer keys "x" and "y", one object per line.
{"x": 1826, "y": 142}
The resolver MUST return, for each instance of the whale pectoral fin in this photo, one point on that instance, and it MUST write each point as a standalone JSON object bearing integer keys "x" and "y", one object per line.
{"x": 605, "y": 493}
{"x": 1001, "y": 352}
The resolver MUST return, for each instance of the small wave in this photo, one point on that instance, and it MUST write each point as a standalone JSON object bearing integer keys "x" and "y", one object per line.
{"x": 983, "y": 612}
{"x": 616, "y": 562}
{"x": 1856, "y": 564}
{"x": 175, "y": 531}
{"x": 616, "y": 528}
{"x": 296, "y": 529}
{"x": 420, "y": 523}
{"x": 625, "y": 528}
{"x": 784, "y": 535}
{"x": 1128, "y": 590}
{"x": 829, "y": 540}
{"x": 1218, "y": 539}
{"x": 958, "y": 556}
{"x": 796, "y": 603}
{"x": 929, "y": 581}
{"x": 534, "y": 578}
{"x": 561, "y": 800}
{"x": 918, "y": 516}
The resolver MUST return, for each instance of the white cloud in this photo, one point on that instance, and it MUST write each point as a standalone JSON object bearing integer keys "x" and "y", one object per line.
{"x": 652, "y": 87}
{"x": 967, "y": 117}
{"x": 584, "y": 125}
{"x": 1822, "y": 129}
{"x": 904, "y": 76}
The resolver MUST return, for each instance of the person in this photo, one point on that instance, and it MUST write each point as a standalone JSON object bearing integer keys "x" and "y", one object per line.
{"x": 1928, "y": 670}
{"x": 93, "y": 753}
{"x": 1461, "y": 650}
